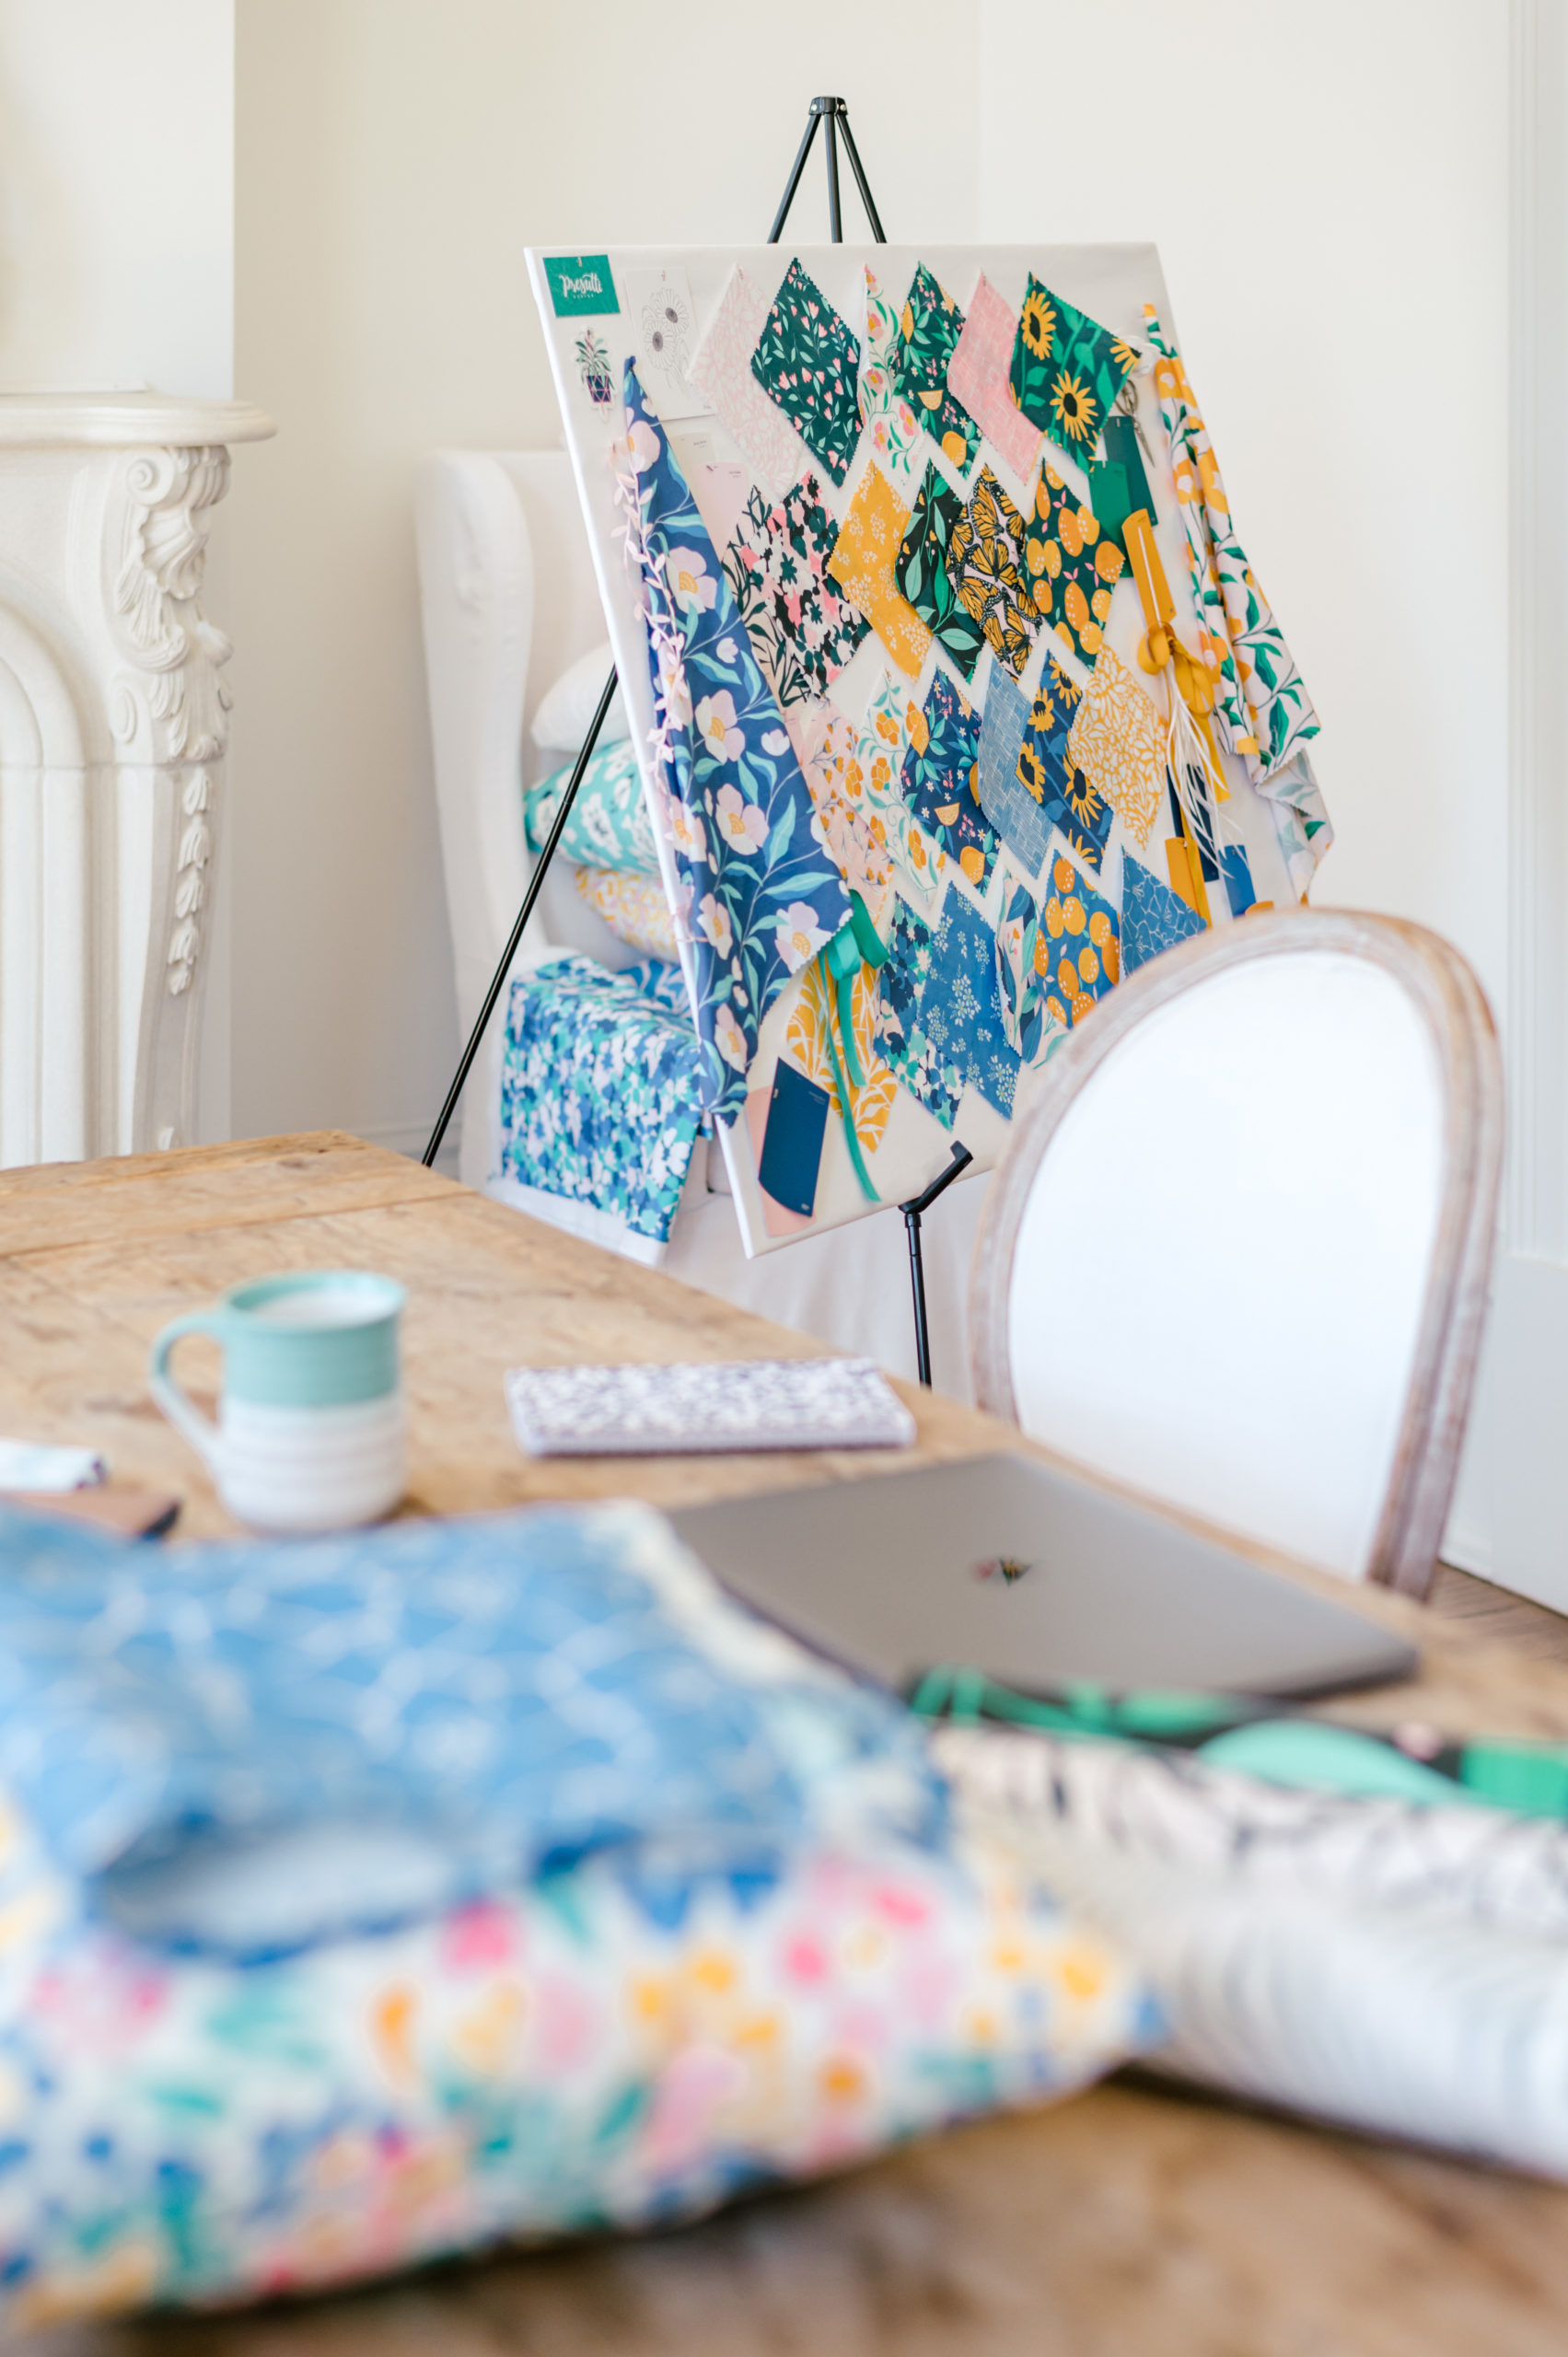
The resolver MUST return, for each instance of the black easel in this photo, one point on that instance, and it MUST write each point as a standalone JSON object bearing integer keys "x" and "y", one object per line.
{"x": 835, "y": 114}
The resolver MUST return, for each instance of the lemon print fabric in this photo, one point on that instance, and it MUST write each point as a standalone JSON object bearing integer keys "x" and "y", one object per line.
{"x": 1062, "y": 795}
{"x": 1067, "y": 370}
{"x": 1077, "y": 945}
{"x": 941, "y": 783}
{"x": 924, "y": 577}
{"x": 985, "y": 565}
{"x": 929, "y": 328}
{"x": 1070, "y": 566}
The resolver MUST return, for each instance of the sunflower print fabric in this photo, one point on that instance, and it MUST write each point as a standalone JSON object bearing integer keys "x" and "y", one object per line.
{"x": 1073, "y": 567}
{"x": 929, "y": 328}
{"x": 863, "y": 563}
{"x": 894, "y": 428}
{"x": 1078, "y": 946}
{"x": 1050, "y": 777}
{"x": 1119, "y": 742}
{"x": 758, "y": 897}
{"x": 985, "y": 565}
{"x": 941, "y": 783}
{"x": 807, "y": 360}
{"x": 1067, "y": 370}
{"x": 924, "y": 579}
{"x": 801, "y": 629}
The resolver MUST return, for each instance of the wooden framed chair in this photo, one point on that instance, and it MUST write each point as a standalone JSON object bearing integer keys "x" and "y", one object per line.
{"x": 1236, "y": 1255}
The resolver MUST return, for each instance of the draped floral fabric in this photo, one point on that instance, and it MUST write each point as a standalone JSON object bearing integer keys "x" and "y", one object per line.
{"x": 924, "y": 578}
{"x": 929, "y": 328}
{"x": 1073, "y": 567}
{"x": 1067, "y": 370}
{"x": 800, "y": 626}
{"x": 985, "y": 565}
{"x": 941, "y": 783}
{"x": 979, "y": 374}
{"x": 808, "y": 358}
{"x": 759, "y": 895}
{"x": 893, "y": 426}
{"x": 863, "y": 564}
{"x": 1052, "y": 777}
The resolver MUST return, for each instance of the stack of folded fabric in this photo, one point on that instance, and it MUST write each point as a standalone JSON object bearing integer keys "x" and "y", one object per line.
{"x": 376, "y": 1897}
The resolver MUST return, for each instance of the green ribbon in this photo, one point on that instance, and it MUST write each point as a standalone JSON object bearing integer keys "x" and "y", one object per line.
{"x": 854, "y": 944}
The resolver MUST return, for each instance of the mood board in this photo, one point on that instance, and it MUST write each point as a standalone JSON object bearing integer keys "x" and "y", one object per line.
{"x": 953, "y": 694}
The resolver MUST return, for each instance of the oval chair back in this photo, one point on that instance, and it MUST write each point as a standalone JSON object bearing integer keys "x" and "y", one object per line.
{"x": 1237, "y": 1254}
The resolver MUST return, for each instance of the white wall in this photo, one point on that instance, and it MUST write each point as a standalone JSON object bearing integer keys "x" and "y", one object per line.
{"x": 393, "y": 159}
{"x": 1328, "y": 188}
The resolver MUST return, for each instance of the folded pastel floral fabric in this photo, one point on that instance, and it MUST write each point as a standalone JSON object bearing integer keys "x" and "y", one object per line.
{"x": 601, "y": 1088}
{"x": 721, "y": 370}
{"x": 1067, "y": 370}
{"x": 608, "y": 825}
{"x": 634, "y": 907}
{"x": 760, "y": 898}
{"x": 1064, "y": 797}
{"x": 893, "y": 426}
{"x": 1016, "y": 814}
{"x": 922, "y": 575}
{"x": 863, "y": 564}
{"x": 808, "y": 358}
{"x": 802, "y": 629}
{"x": 985, "y": 565}
{"x": 978, "y": 375}
{"x": 929, "y": 328}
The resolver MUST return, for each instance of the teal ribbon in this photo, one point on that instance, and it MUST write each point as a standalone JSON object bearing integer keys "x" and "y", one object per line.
{"x": 854, "y": 944}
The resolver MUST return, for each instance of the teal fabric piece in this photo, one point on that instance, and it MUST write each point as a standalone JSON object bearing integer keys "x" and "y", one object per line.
{"x": 609, "y": 826}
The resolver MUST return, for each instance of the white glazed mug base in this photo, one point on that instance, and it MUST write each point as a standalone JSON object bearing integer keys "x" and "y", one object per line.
{"x": 295, "y": 1469}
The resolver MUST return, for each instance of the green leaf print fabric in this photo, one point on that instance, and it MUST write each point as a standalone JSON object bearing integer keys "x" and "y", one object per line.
{"x": 929, "y": 328}
{"x": 922, "y": 575}
{"x": 807, "y": 360}
{"x": 1067, "y": 370}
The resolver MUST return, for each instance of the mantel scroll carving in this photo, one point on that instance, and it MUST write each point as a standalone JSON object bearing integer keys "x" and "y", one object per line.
{"x": 175, "y": 694}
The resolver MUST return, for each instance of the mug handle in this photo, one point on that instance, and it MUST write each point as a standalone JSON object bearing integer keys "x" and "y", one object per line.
{"x": 199, "y": 1430}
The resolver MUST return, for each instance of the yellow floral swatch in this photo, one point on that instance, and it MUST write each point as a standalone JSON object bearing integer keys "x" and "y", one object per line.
{"x": 1118, "y": 741}
{"x": 861, "y": 564}
{"x": 805, "y": 1045}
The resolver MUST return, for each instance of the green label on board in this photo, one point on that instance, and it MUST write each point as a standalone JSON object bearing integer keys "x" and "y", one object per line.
{"x": 580, "y": 283}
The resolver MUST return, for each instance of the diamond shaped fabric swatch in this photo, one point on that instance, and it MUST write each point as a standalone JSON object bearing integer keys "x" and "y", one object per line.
{"x": 929, "y": 328}
{"x": 802, "y": 630}
{"x": 915, "y": 1059}
{"x": 1073, "y": 567}
{"x": 721, "y": 370}
{"x": 863, "y": 564}
{"x": 921, "y": 575}
{"x": 894, "y": 428}
{"x": 1152, "y": 917}
{"x": 1119, "y": 742}
{"x": 1053, "y": 779}
{"x": 1002, "y": 727}
{"x": 985, "y": 565}
{"x": 978, "y": 374}
{"x": 759, "y": 899}
{"x": 1022, "y": 956}
{"x": 1082, "y": 956}
{"x": 891, "y": 715}
{"x": 941, "y": 782}
{"x": 808, "y": 359}
{"x": 1067, "y": 370}
{"x": 960, "y": 1005}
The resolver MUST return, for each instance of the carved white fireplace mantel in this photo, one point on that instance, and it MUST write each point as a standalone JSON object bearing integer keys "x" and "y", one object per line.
{"x": 113, "y": 724}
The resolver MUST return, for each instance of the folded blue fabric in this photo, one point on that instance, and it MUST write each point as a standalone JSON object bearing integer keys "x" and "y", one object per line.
{"x": 525, "y": 1687}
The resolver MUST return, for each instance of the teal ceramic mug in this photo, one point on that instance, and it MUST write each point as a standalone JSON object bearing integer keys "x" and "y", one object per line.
{"x": 311, "y": 1432}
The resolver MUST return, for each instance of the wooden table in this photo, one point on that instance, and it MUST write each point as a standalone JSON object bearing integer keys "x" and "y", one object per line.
{"x": 1127, "y": 2221}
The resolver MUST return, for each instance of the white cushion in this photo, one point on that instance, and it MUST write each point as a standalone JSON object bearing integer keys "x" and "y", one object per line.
{"x": 561, "y": 721}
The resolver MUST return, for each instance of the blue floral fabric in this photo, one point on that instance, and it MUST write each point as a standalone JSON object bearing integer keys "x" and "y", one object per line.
{"x": 1152, "y": 917}
{"x": 1052, "y": 777}
{"x": 910, "y": 1054}
{"x": 941, "y": 783}
{"x": 762, "y": 897}
{"x": 601, "y": 1090}
{"x": 941, "y": 1019}
{"x": 608, "y": 825}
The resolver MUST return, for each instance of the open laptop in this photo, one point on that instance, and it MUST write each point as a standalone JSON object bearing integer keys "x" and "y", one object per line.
{"x": 1005, "y": 1566}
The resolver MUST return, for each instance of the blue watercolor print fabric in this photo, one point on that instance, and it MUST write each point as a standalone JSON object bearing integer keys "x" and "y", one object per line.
{"x": 1154, "y": 918}
{"x": 941, "y": 782}
{"x": 1051, "y": 778}
{"x": 807, "y": 360}
{"x": 942, "y": 1017}
{"x": 601, "y": 1090}
{"x": 759, "y": 895}
{"x": 1014, "y": 814}
{"x": 912, "y": 1056}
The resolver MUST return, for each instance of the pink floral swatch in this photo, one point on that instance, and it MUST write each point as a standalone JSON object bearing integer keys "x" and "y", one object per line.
{"x": 978, "y": 374}
{"x": 721, "y": 370}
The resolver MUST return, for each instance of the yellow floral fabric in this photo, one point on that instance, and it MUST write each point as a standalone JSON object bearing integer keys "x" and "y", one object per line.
{"x": 634, "y": 907}
{"x": 807, "y": 1047}
{"x": 1119, "y": 742}
{"x": 861, "y": 564}
{"x": 1072, "y": 566}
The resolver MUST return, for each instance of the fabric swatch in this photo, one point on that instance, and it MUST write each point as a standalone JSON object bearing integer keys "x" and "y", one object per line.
{"x": 802, "y": 630}
{"x": 929, "y": 328}
{"x": 985, "y": 565}
{"x": 1119, "y": 483}
{"x": 978, "y": 375}
{"x": 1022, "y": 956}
{"x": 863, "y": 564}
{"x": 808, "y": 360}
{"x": 608, "y": 825}
{"x": 759, "y": 898}
{"x": 894, "y": 428}
{"x": 1002, "y": 727}
{"x": 931, "y": 1078}
{"x": 807, "y": 1044}
{"x": 1067, "y": 370}
{"x": 721, "y": 370}
{"x": 892, "y": 714}
{"x": 1073, "y": 567}
{"x": 1119, "y": 742}
{"x": 941, "y": 783}
{"x": 1081, "y": 957}
{"x": 838, "y": 773}
{"x": 960, "y": 1005}
{"x": 922, "y": 575}
{"x": 1152, "y": 917}
{"x": 1053, "y": 779}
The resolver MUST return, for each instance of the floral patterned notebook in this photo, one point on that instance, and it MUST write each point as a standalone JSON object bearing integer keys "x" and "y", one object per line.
{"x": 698, "y": 1411}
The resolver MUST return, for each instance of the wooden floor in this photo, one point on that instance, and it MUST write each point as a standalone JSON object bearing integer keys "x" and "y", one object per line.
{"x": 1497, "y": 1617}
